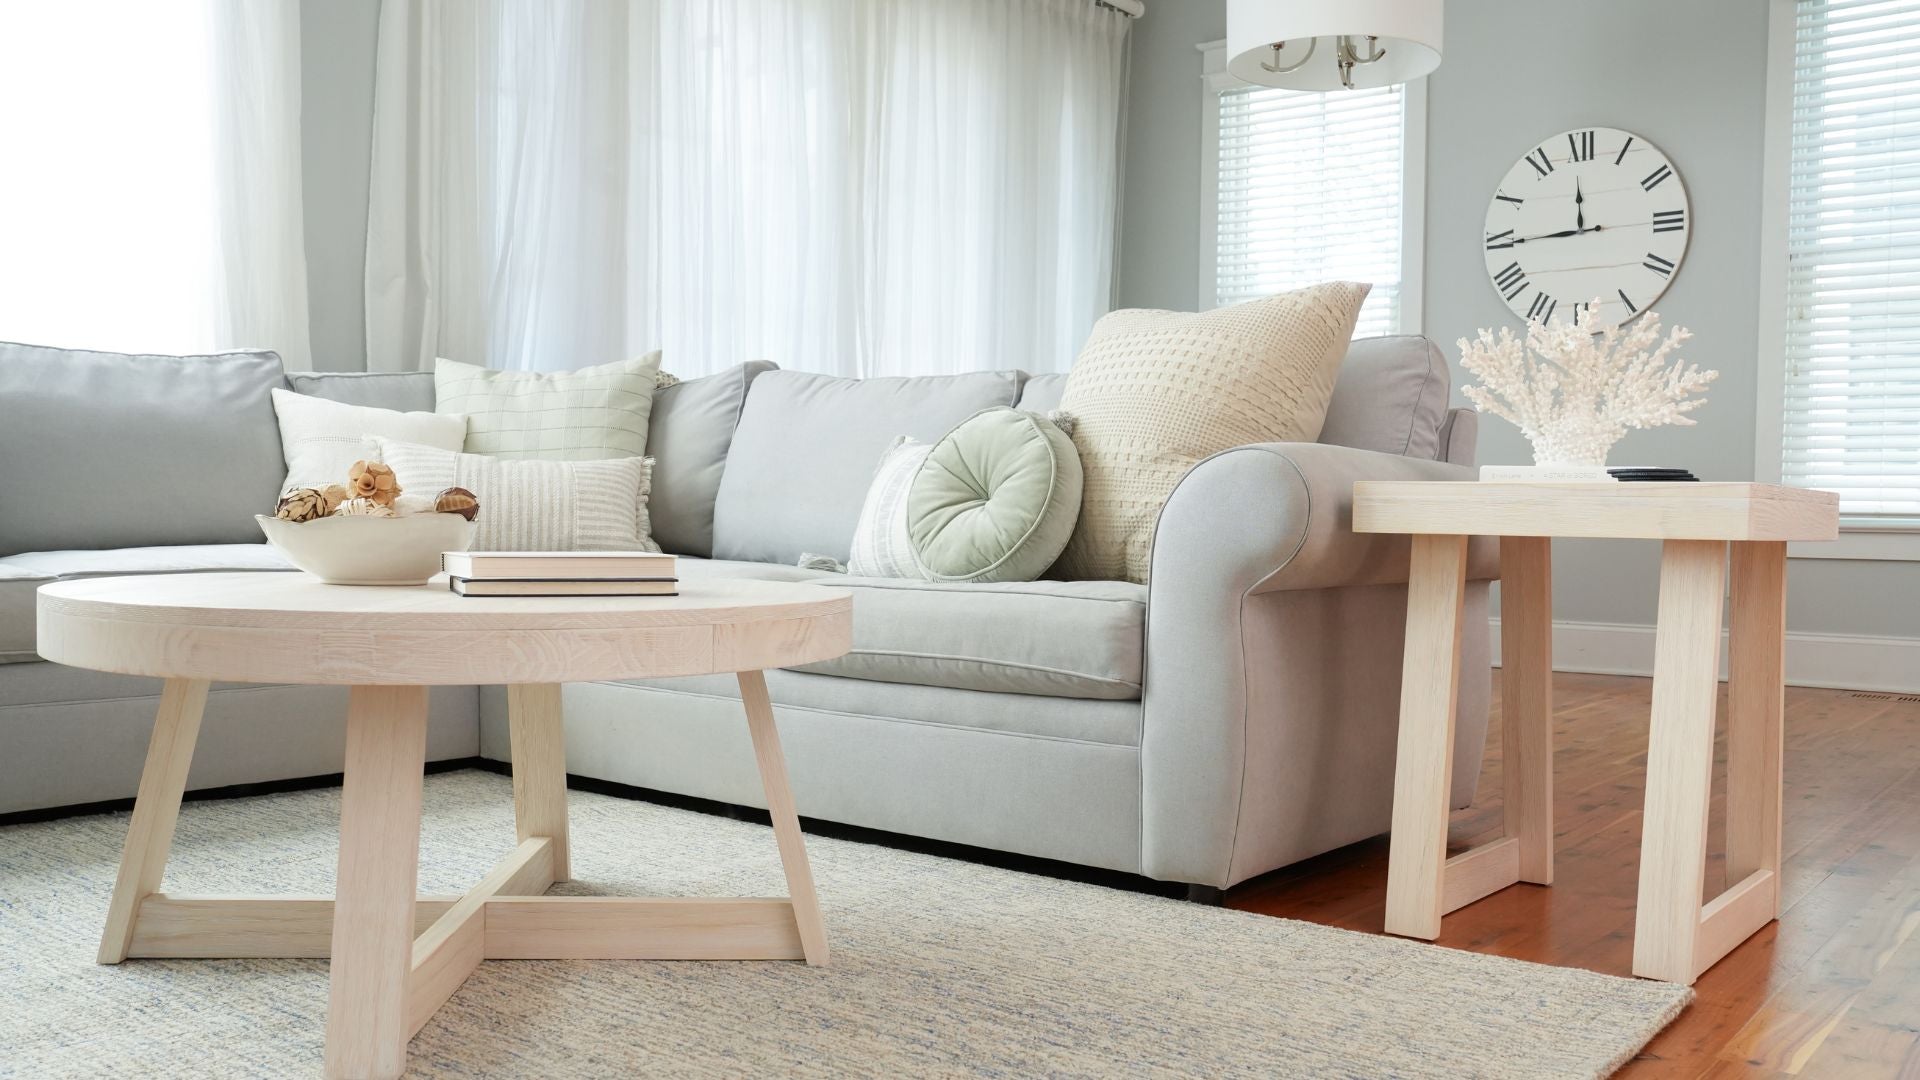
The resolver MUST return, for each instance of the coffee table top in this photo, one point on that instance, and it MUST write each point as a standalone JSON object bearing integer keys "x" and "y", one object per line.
{"x": 288, "y": 627}
{"x": 1654, "y": 511}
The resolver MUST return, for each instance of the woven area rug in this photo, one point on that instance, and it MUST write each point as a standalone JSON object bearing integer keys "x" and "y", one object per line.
{"x": 940, "y": 967}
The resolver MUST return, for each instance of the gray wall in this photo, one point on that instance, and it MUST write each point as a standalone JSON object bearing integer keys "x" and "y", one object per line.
{"x": 336, "y": 144}
{"x": 1516, "y": 71}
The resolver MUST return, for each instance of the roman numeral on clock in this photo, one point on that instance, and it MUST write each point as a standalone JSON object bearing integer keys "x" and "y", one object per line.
{"x": 1512, "y": 281}
{"x": 1658, "y": 265}
{"x": 1656, "y": 177}
{"x": 1540, "y": 162}
{"x": 1542, "y": 308}
{"x": 1669, "y": 220}
{"x": 1504, "y": 197}
{"x": 1631, "y": 310}
{"x": 1580, "y": 308}
{"x": 1580, "y": 143}
{"x": 1500, "y": 240}
{"x": 1617, "y": 158}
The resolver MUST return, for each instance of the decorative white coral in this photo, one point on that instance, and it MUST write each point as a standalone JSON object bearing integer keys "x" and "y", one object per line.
{"x": 1574, "y": 389}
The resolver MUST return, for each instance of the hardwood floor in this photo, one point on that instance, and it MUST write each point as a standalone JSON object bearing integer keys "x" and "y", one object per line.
{"x": 1831, "y": 990}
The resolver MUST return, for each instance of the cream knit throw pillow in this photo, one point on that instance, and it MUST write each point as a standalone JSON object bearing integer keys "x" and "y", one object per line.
{"x": 1154, "y": 392}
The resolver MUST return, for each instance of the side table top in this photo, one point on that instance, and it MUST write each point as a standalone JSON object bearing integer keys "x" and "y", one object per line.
{"x": 288, "y": 627}
{"x": 1622, "y": 510}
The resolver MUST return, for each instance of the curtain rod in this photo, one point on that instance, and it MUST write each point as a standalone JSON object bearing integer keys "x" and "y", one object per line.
{"x": 1130, "y": 8}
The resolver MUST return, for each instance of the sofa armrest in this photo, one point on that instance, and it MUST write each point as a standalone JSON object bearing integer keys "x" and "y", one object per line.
{"x": 1272, "y": 674}
{"x": 1274, "y": 516}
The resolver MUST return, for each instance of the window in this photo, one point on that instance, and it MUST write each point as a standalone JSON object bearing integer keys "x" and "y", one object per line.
{"x": 1307, "y": 187}
{"x": 150, "y": 192}
{"x": 1841, "y": 309}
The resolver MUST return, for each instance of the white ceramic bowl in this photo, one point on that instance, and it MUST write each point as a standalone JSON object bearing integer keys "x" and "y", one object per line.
{"x": 369, "y": 550}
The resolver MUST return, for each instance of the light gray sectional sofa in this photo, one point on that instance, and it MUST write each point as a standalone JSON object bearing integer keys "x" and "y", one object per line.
{"x": 1235, "y": 715}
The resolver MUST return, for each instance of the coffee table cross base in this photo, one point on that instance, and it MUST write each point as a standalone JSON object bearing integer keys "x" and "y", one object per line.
{"x": 397, "y": 957}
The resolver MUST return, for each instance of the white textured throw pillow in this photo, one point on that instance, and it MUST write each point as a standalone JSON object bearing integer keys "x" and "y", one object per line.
{"x": 322, "y": 439}
{"x": 535, "y": 505}
{"x": 585, "y": 415}
{"x": 882, "y": 546}
{"x": 1155, "y": 392}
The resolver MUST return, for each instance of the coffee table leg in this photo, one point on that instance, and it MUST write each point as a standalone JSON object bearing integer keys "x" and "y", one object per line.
{"x": 1686, "y": 683}
{"x": 786, "y": 821}
{"x": 539, "y": 747}
{"x": 176, "y": 726}
{"x": 373, "y": 923}
{"x": 1423, "y": 772}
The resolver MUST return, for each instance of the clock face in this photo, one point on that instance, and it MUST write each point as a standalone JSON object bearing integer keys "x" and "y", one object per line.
{"x": 1593, "y": 213}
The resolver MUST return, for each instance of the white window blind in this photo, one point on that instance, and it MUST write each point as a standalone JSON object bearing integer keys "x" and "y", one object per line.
{"x": 1310, "y": 191}
{"x": 1850, "y": 418}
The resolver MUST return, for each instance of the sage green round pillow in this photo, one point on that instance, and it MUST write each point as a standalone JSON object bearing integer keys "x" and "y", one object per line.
{"x": 995, "y": 500}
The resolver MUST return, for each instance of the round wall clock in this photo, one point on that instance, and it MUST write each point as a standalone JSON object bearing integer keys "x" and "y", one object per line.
{"x": 1592, "y": 213}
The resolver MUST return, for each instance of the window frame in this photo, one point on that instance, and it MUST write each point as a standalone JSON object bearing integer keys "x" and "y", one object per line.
{"x": 1214, "y": 81}
{"x": 1869, "y": 539}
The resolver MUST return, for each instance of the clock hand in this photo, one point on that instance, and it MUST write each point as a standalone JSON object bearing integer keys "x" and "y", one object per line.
{"x": 1580, "y": 213}
{"x": 1558, "y": 235}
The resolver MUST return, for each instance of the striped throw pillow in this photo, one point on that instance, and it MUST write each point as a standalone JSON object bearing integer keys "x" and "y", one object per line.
{"x": 584, "y": 415}
{"x": 881, "y": 544}
{"x": 535, "y": 505}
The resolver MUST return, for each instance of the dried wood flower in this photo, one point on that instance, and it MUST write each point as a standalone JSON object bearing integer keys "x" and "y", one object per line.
{"x": 373, "y": 480}
{"x": 363, "y": 508}
{"x": 457, "y": 500}
{"x": 304, "y": 504}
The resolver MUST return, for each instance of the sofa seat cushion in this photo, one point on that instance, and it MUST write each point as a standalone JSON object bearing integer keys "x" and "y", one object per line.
{"x": 691, "y": 569}
{"x": 22, "y": 575}
{"x": 1073, "y": 639}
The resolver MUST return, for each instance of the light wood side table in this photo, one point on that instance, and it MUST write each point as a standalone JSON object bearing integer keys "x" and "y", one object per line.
{"x": 395, "y": 957}
{"x": 1675, "y": 936}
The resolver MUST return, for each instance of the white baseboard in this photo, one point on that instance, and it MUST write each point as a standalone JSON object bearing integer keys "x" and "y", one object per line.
{"x": 1839, "y": 661}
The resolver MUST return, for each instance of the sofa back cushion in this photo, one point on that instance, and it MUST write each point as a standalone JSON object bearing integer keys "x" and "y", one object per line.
{"x": 110, "y": 450}
{"x": 1390, "y": 396}
{"x": 1041, "y": 393}
{"x": 401, "y": 391}
{"x": 804, "y": 454}
{"x": 687, "y": 437}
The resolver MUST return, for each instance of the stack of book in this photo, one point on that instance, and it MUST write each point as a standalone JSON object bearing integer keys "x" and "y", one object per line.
{"x": 560, "y": 573}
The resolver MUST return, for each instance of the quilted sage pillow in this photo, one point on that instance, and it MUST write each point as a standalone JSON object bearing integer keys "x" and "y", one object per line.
{"x": 995, "y": 500}
{"x": 1154, "y": 392}
{"x": 535, "y": 505}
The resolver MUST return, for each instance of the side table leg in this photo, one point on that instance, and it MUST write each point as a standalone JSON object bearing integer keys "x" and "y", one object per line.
{"x": 786, "y": 821}
{"x": 1423, "y": 770}
{"x": 156, "y": 808}
{"x": 1526, "y": 699}
{"x": 1756, "y": 707}
{"x": 539, "y": 746}
{"x": 373, "y": 923}
{"x": 1686, "y": 682}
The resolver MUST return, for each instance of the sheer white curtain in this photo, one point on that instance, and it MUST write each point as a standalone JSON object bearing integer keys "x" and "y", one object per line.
{"x": 150, "y": 176}
{"x": 861, "y": 187}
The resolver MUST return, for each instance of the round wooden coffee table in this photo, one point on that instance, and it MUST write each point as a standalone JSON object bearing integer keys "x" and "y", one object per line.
{"x": 395, "y": 957}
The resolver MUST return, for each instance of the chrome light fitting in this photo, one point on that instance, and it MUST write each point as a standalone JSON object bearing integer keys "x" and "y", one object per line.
{"x": 1372, "y": 42}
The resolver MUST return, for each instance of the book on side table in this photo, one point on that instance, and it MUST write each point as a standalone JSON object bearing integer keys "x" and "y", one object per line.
{"x": 560, "y": 573}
